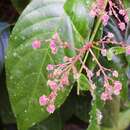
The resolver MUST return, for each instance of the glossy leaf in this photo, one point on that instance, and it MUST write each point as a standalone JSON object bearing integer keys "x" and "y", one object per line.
{"x": 25, "y": 66}
{"x": 78, "y": 11}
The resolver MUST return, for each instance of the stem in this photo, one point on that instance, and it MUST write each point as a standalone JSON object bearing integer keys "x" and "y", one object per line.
{"x": 100, "y": 66}
{"x": 86, "y": 56}
{"x": 94, "y": 33}
{"x": 91, "y": 39}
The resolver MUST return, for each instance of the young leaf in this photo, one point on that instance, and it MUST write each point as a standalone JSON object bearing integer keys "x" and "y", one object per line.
{"x": 114, "y": 51}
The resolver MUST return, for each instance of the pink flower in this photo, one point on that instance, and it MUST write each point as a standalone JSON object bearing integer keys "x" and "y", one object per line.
{"x": 105, "y": 19}
{"x": 103, "y": 52}
{"x": 53, "y": 85}
{"x": 57, "y": 72}
{"x": 109, "y": 89}
{"x": 110, "y": 35}
{"x": 90, "y": 74}
{"x": 66, "y": 59}
{"x": 122, "y": 12}
{"x": 64, "y": 80}
{"x": 126, "y": 18}
{"x": 115, "y": 74}
{"x": 36, "y": 44}
{"x": 55, "y": 36}
{"x": 100, "y": 3}
{"x": 53, "y": 47}
{"x": 122, "y": 26}
{"x": 50, "y": 67}
{"x": 105, "y": 96}
{"x": 117, "y": 87}
{"x": 51, "y": 108}
{"x": 128, "y": 50}
{"x": 93, "y": 13}
{"x": 98, "y": 73}
{"x": 43, "y": 100}
{"x": 52, "y": 95}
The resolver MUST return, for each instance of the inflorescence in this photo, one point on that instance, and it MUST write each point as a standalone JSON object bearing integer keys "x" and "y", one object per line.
{"x": 58, "y": 75}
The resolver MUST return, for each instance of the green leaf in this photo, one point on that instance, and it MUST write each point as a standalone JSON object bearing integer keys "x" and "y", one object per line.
{"x": 78, "y": 11}
{"x": 111, "y": 113}
{"x": 96, "y": 106}
{"x": 25, "y": 66}
{"x": 117, "y": 50}
{"x": 114, "y": 51}
{"x": 83, "y": 83}
{"x": 126, "y": 3}
{"x": 93, "y": 123}
{"x": 20, "y": 4}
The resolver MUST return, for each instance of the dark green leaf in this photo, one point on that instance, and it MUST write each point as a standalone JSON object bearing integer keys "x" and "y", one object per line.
{"x": 83, "y": 106}
{"x": 53, "y": 122}
{"x": 6, "y": 113}
{"x": 20, "y": 4}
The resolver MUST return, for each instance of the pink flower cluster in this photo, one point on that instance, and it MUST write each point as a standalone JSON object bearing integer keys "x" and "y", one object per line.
{"x": 58, "y": 74}
{"x": 53, "y": 42}
{"x": 36, "y": 44}
{"x": 111, "y": 90}
{"x": 55, "y": 85}
{"x": 98, "y": 9}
